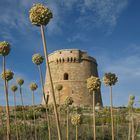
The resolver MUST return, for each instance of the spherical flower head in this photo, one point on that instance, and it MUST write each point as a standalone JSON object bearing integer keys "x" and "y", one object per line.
{"x": 69, "y": 101}
{"x": 37, "y": 59}
{"x": 93, "y": 83}
{"x": 59, "y": 87}
{"x": 4, "y": 48}
{"x": 131, "y": 101}
{"x": 40, "y": 15}
{"x": 8, "y": 75}
{"x": 76, "y": 119}
{"x": 33, "y": 86}
{"x": 98, "y": 104}
{"x": 131, "y": 97}
{"x": 14, "y": 88}
{"x": 20, "y": 82}
{"x": 110, "y": 79}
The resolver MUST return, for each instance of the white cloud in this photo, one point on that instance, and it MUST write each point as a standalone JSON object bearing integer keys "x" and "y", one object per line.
{"x": 77, "y": 37}
{"x": 91, "y": 13}
{"x": 7, "y": 36}
{"x": 127, "y": 69}
{"x": 99, "y": 12}
{"x": 126, "y": 66}
{"x": 13, "y": 20}
{"x": 109, "y": 11}
{"x": 68, "y": 3}
{"x": 54, "y": 25}
{"x": 15, "y": 16}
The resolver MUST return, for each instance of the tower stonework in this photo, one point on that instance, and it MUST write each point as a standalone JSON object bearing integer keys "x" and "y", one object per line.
{"x": 71, "y": 68}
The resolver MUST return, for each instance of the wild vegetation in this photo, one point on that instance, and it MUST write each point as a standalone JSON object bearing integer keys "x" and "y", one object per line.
{"x": 84, "y": 126}
{"x": 62, "y": 121}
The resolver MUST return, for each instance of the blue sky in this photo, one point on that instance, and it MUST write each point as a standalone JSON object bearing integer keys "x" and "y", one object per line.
{"x": 107, "y": 29}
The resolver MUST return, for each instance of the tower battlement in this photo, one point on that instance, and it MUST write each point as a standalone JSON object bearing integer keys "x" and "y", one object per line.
{"x": 69, "y": 55}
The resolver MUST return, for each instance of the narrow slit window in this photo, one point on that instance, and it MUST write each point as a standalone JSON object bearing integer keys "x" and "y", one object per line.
{"x": 66, "y": 76}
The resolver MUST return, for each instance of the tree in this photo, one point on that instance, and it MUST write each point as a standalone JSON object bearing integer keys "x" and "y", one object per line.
{"x": 40, "y": 15}
{"x": 38, "y": 59}
{"x": 4, "y": 51}
{"x": 33, "y": 87}
{"x": 68, "y": 101}
{"x": 93, "y": 85}
{"x": 110, "y": 79}
{"x": 14, "y": 89}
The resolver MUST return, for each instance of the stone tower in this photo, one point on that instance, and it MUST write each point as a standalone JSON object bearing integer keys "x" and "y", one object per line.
{"x": 71, "y": 68}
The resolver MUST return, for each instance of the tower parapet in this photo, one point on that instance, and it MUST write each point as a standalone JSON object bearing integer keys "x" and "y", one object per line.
{"x": 69, "y": 55}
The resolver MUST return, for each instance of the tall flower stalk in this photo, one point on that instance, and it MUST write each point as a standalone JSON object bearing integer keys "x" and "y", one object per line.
{"x": 93, "y": 85}
{"x": 33, "y": 87}
{"x": 20, "y": 82}
{"x": 7, "y": 75}
{"x": 69, "y": 101}
{"x": 131, "y": 124}
{"x": 14, "y": 89}
{"x": 110, "y": 79}
{"x": 59, "y": 87}
{"x": 37, "y": 59}
{"x": 4, "y": 51}
{"x": 76, "y": 120}
{"x": 40, "y": 15}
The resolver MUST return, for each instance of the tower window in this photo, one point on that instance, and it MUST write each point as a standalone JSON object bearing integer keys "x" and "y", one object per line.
{"x": 57, "y": 60}
{"x": 66, "y": 76}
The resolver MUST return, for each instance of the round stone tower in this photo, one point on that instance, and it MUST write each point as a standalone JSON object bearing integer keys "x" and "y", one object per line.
{"x": 71, "y": 68}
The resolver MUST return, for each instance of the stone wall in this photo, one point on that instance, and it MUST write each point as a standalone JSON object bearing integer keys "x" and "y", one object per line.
{"x": 78, "y": 66}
